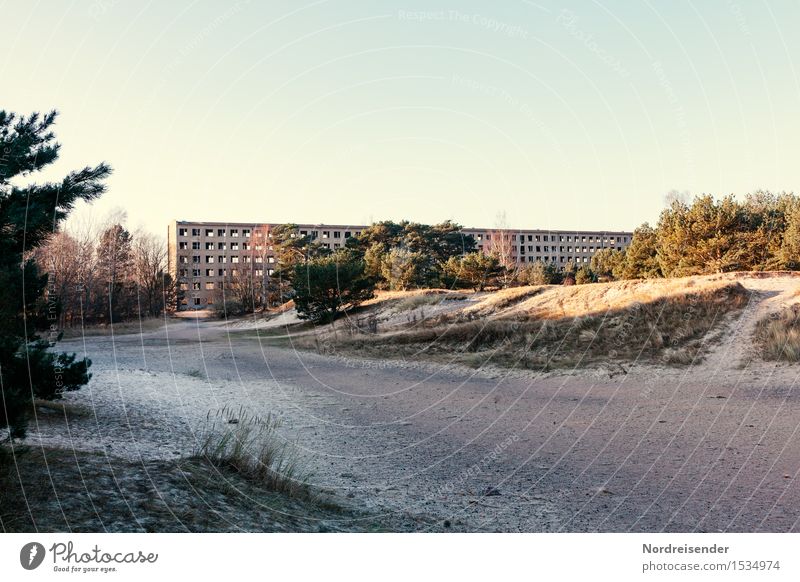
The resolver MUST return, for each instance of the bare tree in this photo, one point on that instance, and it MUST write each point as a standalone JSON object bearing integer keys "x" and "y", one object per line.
{"x": 149, "y": 271}
{"x": 500, "y": 245}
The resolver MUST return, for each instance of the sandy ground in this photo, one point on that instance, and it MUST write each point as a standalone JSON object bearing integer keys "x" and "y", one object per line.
{"x": 712, "y": 447}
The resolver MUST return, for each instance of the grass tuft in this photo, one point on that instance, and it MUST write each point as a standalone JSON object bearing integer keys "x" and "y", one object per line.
{"x": 249, "y": 445}
{"x": 778, "y": 335}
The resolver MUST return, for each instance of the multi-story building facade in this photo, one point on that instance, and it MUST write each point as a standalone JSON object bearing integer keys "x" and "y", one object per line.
{"x": 202, "y": 255}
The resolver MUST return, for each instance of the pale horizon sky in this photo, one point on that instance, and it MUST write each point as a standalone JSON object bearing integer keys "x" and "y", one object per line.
{"x": 577, "y": 115}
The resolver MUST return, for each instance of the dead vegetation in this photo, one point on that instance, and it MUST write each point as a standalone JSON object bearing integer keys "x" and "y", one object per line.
{"x": 142, "y": 325}
{"x": 249, "y": 445}
{"x": 778, "y": 335}
{"x": 554, "y": 327}
{"x": 59, "y": 490}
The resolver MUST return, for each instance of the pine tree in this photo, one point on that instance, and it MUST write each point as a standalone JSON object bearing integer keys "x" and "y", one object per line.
{"x": 28, "y": 215}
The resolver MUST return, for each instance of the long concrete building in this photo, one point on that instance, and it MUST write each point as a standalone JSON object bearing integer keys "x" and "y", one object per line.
{"x": 203, "y": 254}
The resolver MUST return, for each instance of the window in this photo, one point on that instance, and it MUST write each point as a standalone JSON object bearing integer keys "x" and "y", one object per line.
{"x": 209, "y": 259}
{"x": 222, "y": 258}
{"x": 220, "y": 272}
{"x": 197, "y": 301}
{"x": 259, "y": 272}
{"x": 325, "y": 234}
{"x": 234, "y": 272}
{"x": 246, "y": 259}
{"x": 196, "y": 246}
{"x": 196, "y": 286}
{"x": 259, "y": 259}
{"x": 271, "y": 260}
{"x": 183, "y": 245}
{"x": 337, "y": 234}
{"x": 195, "y": 232}
{"x": 209, "y": 273}
{"x": 234, "y": 260}
{"x": 209, "y": 285}
{"x": 182, "y": 231}
{"x": 220, "y": 232}
{"x": 234, "y": 232}
{"x": 246, "y": 232}
{"x": 245, "y": 247}
{"x": 183, "y": 259}
{"x": 184, "y": 286}
{"x": 195, "y": 258}
{"x": 347, "y": 234}
{"x": 209, "y": 232}
{"x": 183, "y": 273}
{"x": 234, "y": 246}
{"x": 221, "y": 246}
{"x": 195, "y": 272}
{"x": 209, "y": 246}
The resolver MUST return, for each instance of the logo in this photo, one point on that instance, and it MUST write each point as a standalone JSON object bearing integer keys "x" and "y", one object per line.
{"x": 31, "y": 555}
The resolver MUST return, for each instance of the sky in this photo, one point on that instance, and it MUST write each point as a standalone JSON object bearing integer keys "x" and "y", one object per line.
{"x": 555, "y": 115}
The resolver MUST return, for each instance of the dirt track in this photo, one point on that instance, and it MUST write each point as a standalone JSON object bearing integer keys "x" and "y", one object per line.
{"x": 713, "y": 447}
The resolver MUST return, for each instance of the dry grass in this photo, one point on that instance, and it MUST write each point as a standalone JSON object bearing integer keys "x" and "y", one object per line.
{"x": 668, "y": 329}
{"x": 558, "y": 302}
{"x": 249, "y": 445}
{"x": 418, "y": 300}
{"x": 143, "y": 325}
{"x": 59, "y": 490}
{"x": 778, "y": 335}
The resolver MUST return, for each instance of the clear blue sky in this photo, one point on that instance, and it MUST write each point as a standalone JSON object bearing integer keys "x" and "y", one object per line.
{"x": 576, "y": 115}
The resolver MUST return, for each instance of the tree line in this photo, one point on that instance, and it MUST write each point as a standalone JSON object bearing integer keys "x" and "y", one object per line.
{"x": 105, "y": 274}
{"x": 708, "y": 235}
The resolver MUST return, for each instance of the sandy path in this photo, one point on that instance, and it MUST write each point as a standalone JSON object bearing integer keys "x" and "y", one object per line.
{"x": 710, "y": 447}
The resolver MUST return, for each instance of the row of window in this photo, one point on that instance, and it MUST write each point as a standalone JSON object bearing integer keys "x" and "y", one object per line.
{"x": 184, "y": 273}
{"x": 339, "y": 234}
{"x": 556, "y": 238}
{"x": 209, "y": 232}
{"x": 209, "y": 246}
{"x": 184, "y": 260}
{"x": 550, "y": 249}
{"x": 246, "y": 233}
